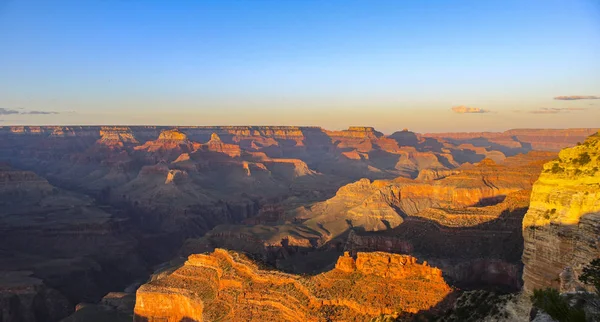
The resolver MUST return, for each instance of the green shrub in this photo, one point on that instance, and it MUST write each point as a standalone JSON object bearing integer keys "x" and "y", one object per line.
{"x": 556, "y": 168}
{"x": 584, "y": 158}
{"x": 591, "y": 275}
{"x": 550, "y": 301}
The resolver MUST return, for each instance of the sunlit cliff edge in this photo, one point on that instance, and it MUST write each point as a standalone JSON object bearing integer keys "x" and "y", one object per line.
{"x": 562, "y": 225}
{"x": 227, "y": 286}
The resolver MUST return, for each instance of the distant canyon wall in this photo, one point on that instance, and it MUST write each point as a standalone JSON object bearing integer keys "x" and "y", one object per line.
{"x": 535, "y": 139}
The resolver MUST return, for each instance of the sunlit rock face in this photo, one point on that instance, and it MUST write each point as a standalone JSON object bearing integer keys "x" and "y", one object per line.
{"x": 382, "y": 204}
{"x": 168, "y": 140}
{"x": 562, "y": 227}
{"x": 215, "y": 144}
{"x": 227, "y": 286}
{"x": 116, "y": 136}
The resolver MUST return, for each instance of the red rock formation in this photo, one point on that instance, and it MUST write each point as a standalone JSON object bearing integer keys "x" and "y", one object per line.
{"x": 216, "y": 145}
{"x": 116, "y": 137}
{"x": 169, "y": 145}
{"x": 226, "y": 286}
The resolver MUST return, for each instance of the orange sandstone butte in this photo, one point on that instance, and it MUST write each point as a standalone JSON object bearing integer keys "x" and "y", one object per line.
{"x": 227, "y": 286}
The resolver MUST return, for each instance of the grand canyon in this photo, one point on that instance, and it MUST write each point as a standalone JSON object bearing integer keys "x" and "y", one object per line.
{"x": 284, "y": 223}
{"x": 299, "y": 161}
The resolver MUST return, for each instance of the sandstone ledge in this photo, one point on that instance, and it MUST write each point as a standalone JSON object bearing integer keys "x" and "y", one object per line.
{"x": 227, "y": 286}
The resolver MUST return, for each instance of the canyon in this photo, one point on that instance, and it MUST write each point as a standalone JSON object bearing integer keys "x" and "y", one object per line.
{"x": 328, "y": 216}
{"x": 468, "y": 223}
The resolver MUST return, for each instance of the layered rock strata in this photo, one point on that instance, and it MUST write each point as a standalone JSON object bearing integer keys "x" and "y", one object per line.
{"x": 227, "y": 286}
{"x": 562, "y": 227}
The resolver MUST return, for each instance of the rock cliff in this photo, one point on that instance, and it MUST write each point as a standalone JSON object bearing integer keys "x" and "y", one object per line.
{"x": 562, "y": 225}
{"x": 227, "y": 286}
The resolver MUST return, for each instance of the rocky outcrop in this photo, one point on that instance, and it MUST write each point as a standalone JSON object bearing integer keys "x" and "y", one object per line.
{"x": 227, "y": 286}
{"x": 435, "y": 174}
{"x": 216, "y": 145}
{"x": 562, "y": 225}
{"x": 116, "y": 137}
{"x": 169, "y": 145}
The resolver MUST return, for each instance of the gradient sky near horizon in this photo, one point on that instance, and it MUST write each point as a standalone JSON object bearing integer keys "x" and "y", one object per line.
{"x": 388, "y": 64}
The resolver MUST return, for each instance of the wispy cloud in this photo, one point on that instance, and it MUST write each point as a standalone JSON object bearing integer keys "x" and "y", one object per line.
{"x": 22, "y": 111}
{"x": 4, "y": 111}
{"x": 40, "y": 112}
{"x": 576, "y": 97}
{"x": 556, "y": 110}
{"x": 468, "y": 110}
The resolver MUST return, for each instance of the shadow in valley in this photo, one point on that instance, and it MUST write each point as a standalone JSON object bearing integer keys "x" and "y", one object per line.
{"x": 475, "y": 306}
{"x": 485, "y": 255}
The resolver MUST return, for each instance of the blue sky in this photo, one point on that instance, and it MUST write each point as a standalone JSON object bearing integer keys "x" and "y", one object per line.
{"x": 391, "y": 64}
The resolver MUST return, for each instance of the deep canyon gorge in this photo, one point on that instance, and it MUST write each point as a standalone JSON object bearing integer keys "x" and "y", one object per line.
{"x": 241, "y": 223}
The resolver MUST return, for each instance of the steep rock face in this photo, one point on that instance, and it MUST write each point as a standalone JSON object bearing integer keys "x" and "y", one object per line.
{"x": 562, "y": 225}
{"x": 226, "y": 286}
